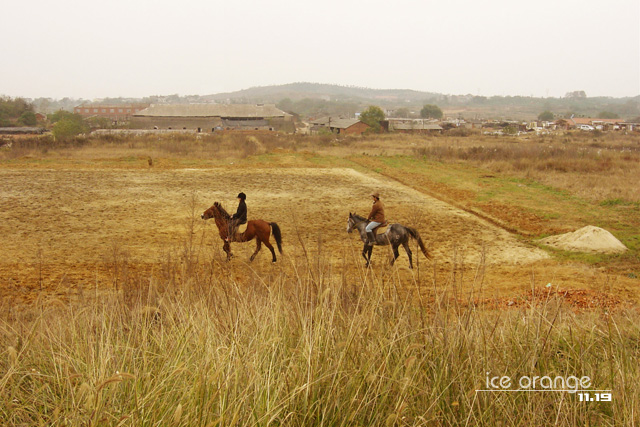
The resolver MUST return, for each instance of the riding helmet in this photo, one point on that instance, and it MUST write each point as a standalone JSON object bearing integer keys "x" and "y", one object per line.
{"x": 242, "y": 196}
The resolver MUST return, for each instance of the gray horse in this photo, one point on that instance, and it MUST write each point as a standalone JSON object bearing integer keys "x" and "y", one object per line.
{"x": 396, "y": 235}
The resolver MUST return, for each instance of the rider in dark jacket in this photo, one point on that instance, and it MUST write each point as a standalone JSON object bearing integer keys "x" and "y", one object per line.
{"x": 240, "y": 217}
{"x": 241, "y": 213}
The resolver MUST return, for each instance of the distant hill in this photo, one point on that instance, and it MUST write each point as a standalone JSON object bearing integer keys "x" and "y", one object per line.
{"x": 313, "y": 100}
{"x": 317, "y": 99}
{"x": 328, "y": 92}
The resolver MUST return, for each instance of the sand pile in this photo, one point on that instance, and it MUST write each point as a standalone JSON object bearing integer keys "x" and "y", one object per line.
{"x": 586, "y": 239}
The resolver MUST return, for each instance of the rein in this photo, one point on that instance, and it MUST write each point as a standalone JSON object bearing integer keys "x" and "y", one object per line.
{"x": 357, "y": 220}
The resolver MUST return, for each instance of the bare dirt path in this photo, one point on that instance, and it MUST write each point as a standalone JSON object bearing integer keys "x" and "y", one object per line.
{"x": 76, "y": 214}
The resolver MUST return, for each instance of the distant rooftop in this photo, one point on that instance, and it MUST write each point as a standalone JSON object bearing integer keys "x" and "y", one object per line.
{"x": 589, "y": 120}
{"x": 125, "y": 105}
{"x": 212, "y": 110}
{"x": 414, "y": 126}
{"x": 342, "y": 123}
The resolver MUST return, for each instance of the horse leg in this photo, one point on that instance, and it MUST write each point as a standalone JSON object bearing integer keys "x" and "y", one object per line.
{"x": 408, "y": 250}
{"x": 227, "y": 249}
{"x": 396, "y": 254}
{"x": 273, "y": 253}
{"x": 364, "y": 254}
{"x": 258, "y": 246}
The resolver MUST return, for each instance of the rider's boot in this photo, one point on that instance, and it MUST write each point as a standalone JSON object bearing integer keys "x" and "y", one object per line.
{"x": 371, "y": 237}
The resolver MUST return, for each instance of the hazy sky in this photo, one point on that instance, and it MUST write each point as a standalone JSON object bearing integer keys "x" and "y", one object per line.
{"x": 135, "y": 48}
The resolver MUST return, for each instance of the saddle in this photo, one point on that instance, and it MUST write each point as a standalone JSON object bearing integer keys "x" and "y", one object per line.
{"x": 235, "y": 230}
{"x": 382, "y": 225}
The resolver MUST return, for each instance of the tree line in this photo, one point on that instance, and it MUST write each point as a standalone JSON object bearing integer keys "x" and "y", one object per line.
{"x": 16, "y": 112}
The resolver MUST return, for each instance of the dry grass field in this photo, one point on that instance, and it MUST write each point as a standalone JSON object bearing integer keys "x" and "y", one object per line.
{"x": 98, "y": 241}
{"x": 65, "y": 213}
{"x": 76, "y": 217}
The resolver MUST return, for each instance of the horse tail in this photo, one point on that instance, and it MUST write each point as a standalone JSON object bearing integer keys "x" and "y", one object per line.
{"x": 277, "y": 235}
{"x": 414, "y": 234}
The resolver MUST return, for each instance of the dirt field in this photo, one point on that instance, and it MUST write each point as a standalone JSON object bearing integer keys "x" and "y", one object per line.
{"x": 61, "y": 228}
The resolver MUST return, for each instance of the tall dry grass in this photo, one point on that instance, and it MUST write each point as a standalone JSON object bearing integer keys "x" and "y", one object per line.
{"x": 594, "y": 167}
{"x": 171, "y": 145}
{"x": 308, "y": 342}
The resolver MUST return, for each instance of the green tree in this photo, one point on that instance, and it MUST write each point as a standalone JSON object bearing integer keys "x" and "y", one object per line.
{"x": 12, "y": 111}
{"x": 546, "y": 116}
{"x": 63, "y": 114}
{"x": 372, "y": 116}
{"x": 577, "y": 94}
{"x": 67, "y": 125}
{"x": 28, "y": 118}
{"x": 431, "y": 111}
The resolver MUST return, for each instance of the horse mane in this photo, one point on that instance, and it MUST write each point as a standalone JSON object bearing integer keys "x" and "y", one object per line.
{"x": 222, "y": 211}
{"x": 358, "y": 217}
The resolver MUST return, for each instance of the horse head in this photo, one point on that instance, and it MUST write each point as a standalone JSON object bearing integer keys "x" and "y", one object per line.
{"x": 208, "y": 213}
{"x": 352, "y": 221}
{"x": 215, "y": 211}
{"x": 355, "y": 221}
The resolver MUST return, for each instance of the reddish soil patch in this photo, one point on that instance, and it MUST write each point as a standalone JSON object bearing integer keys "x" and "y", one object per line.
{"x": 577, "y": 299}
{"x": 524, "y": 222}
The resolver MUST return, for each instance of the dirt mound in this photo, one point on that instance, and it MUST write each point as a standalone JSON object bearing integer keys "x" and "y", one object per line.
{"x": 587, "y": 239}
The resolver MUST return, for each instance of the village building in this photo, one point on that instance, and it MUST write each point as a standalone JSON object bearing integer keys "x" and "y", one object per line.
{"x": 348, "y": 127}
{"x": 322, "y": 121}
{"x": 213, "y": 117}
{"x": 340, "y": 126}
{"x": 596, "y": 123}
{"x": 115, "y": 112}
{"x": 413, "y": 126}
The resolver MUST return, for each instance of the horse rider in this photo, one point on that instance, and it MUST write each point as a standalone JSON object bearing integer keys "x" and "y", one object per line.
{"x": 376, "y": 217}
{"x": 238, "y": 218}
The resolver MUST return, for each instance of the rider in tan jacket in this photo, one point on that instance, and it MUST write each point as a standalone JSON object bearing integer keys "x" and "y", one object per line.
{"x": 376, "y": 216}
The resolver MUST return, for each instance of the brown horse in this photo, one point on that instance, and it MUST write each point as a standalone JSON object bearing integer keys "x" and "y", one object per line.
{"x": 258, "y": 229}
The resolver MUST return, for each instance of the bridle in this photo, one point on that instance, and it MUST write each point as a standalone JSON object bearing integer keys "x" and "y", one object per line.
{"x": 352, "y": 223}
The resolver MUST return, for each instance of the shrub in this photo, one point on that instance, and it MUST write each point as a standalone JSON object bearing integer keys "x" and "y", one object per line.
{"x": 67, "y": 128}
